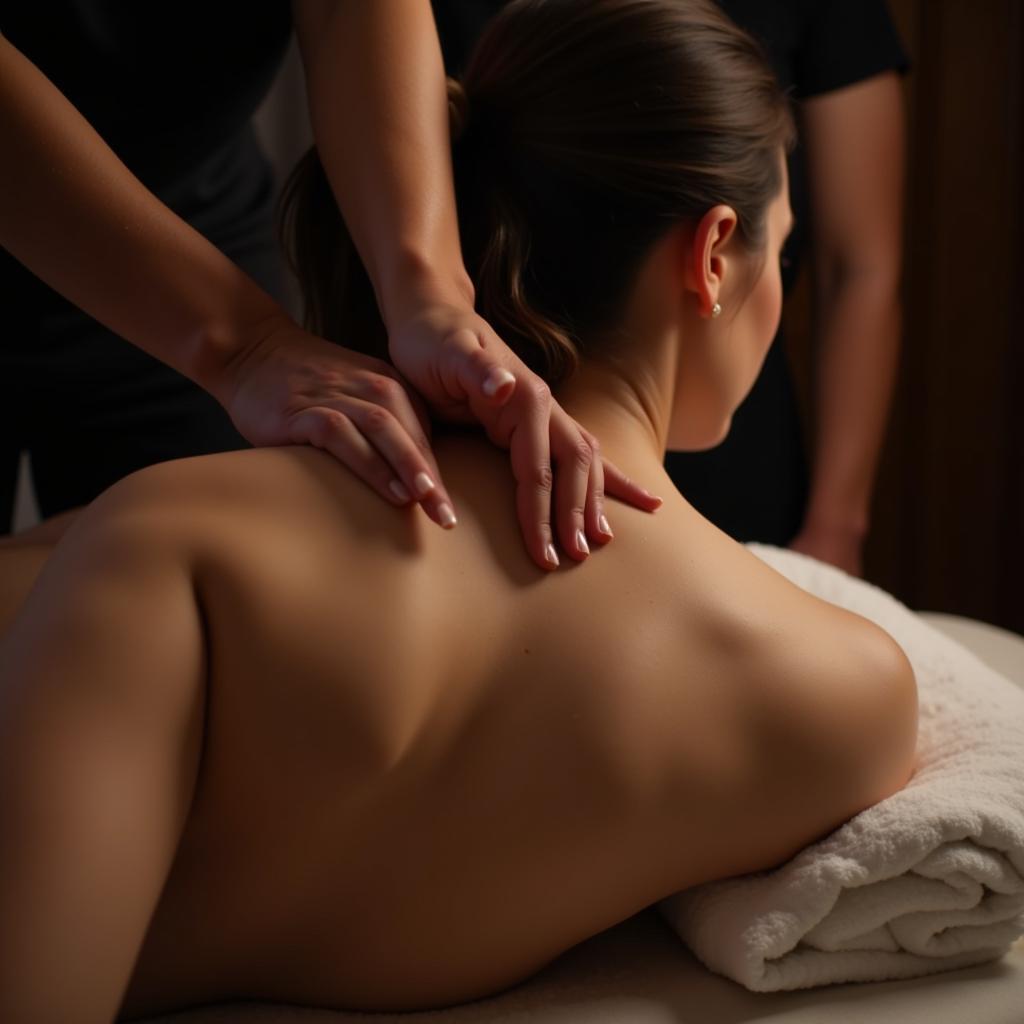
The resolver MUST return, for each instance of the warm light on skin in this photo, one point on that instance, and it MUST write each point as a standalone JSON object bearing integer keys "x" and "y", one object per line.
{"x": 677, "y": 375}
{"x": 721, "y": 357}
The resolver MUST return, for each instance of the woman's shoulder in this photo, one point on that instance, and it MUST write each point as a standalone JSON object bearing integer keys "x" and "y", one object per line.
{"x": 751, "y": 622}
{"x": 294, "y": 519}
{"x": 258, "y": 476}
{"x": 278, "y": 480}
{"x": 269, "y": 488}
{"x": 281, "y": 523}
{"x": 825, "y": 676}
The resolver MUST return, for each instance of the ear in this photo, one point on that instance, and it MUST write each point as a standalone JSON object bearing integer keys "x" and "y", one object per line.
{"x": 708, "y": 262}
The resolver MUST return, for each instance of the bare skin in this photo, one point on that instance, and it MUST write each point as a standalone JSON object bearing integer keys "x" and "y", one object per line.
{"x": 854, "y": 139}
{"x": 333, "y": 806}
{"x": 262, "y": 737}
{"x": 78, "y": 218}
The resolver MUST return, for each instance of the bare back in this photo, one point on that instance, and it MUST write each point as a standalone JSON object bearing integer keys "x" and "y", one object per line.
{"x": 429, "y": 767}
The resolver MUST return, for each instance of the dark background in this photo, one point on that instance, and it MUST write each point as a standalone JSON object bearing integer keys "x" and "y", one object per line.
{"x": 949, "y": 504}
{"x": 948, "y": 511}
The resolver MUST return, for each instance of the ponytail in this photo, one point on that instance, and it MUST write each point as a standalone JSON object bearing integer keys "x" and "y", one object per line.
{"x": 567, "y": 173}
{"x": 547, "y": 347}
{"x": 339, "y": 302}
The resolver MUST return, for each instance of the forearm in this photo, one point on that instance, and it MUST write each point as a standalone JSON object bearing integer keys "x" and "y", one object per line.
{"x": 78, "y": 219}
{"x": 857, "y": 366}
{"x": 379, "y": 110}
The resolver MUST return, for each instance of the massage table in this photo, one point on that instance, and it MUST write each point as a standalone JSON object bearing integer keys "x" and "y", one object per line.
{"x": 640, "y": 972}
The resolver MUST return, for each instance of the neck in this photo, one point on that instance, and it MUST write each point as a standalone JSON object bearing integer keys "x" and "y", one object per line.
{"x": 626, "y": 396}
{"x": 625, "y": 400}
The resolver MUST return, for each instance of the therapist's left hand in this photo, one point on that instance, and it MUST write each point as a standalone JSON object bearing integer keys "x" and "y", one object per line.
{"x": 466, "y": 373}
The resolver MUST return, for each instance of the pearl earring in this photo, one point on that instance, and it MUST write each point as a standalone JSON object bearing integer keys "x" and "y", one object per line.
{"x": 716, "y": 310}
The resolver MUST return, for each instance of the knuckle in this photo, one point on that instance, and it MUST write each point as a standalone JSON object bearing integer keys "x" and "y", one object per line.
{"x": 542, "y": 477}
{"x": 323, "y": 425}
{"x": 582, "y": 454}
{"x": 381, "y": 389}
{"x": 468, "y": 340}
{"x": 375, "y": 419}
{"x": 540, "y": 393}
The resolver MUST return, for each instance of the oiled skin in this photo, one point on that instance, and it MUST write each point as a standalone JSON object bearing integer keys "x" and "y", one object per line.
{"x": 426, "y": 804}
{"x": 428, "y": 768}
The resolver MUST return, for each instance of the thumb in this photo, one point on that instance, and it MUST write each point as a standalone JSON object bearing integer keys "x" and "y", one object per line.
{"x": 498, "y": 384}
{"x": 478, "y": 370}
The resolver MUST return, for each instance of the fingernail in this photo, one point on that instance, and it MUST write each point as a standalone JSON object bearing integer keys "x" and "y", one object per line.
{"x": 654, "y": 497}
{"x": 423, "y": 484}
{"x": 447, "y": 515}
{"x": 495, "y": 380}
{"x": 398, "y": 490}
{"x": 581, "y": 542}
{"x": 605, "y": 528}
{"x": 551, "y": 555}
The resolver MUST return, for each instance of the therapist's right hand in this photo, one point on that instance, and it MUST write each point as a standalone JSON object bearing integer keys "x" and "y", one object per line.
{"x": 292, "y": 387}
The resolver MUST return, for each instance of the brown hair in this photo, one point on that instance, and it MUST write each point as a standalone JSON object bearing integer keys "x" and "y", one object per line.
{"x": 583, "y": 131}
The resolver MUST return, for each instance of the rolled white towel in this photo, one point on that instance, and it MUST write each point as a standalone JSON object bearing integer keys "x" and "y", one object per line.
{"x": 931, "y": 878}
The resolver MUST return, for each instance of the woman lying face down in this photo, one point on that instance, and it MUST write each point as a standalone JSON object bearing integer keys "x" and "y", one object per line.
{"x": 264, "y": 737}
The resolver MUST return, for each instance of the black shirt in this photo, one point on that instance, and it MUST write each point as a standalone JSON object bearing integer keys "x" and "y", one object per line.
{"x": 814, "y": 46}
{"x": 166, "y": 85}
{"x": 172, "y": 90}
{"x": 754, "y": 485}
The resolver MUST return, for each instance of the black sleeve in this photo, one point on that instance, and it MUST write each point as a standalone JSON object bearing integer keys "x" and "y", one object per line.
{"x": 843, "y": 42}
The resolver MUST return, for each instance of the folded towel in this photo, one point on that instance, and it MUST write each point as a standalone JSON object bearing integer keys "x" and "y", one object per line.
{"x": 931, "y": 878}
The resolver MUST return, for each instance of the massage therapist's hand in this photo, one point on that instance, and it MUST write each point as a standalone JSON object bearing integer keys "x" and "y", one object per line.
{"x": 292, "y": 387}
{"x": 467, "y": 373}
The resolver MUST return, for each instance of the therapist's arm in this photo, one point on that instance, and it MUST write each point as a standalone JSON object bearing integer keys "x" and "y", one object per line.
{"x": 379, "y": 110}
{"x": 77, "y": 217}
{"x": 854, "y": 141}
{"x": 80, "y": 220}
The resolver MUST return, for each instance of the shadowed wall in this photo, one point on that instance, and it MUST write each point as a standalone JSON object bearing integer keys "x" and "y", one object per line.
{"x": 949, "y": 506}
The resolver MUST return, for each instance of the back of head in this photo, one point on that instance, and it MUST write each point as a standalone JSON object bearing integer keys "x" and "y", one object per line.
{"x": 583, "y": 130}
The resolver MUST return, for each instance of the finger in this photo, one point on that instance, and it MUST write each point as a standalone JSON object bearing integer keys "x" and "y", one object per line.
{"x": 384, "y": 385}
{"x": 618, "y": 485}
{"x": 333, "y": 432}
{"x": 417, "y": 474}
{"x": 498, "y": 384}
{"x": 595, "y": 521}
{"x": 529, "y": 446}
{"x": 419, "y": 410}
{"x": 475, "y": 372}
{"x": 408, "y": 454}
{"x": 573, "y": 457}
